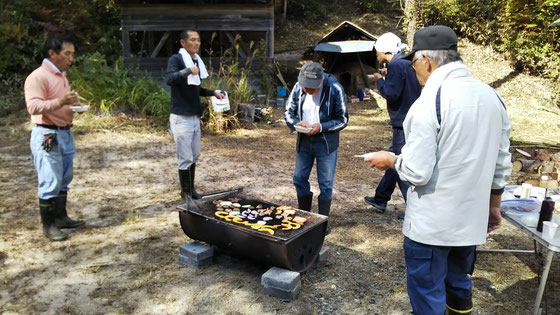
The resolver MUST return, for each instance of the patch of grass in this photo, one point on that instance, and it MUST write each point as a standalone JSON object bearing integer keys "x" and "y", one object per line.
{"x": 133, "y": 220}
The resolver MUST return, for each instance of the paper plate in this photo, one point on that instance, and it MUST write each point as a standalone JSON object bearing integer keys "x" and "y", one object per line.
{"x": 79, "y": 108}
{"x": 302, "y": 129}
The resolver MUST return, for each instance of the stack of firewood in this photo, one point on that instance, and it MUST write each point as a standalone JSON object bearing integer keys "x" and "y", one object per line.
{"x": 532, "y": 168}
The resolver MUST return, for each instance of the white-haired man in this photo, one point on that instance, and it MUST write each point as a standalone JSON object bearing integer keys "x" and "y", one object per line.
{"x": 457, "y": 161}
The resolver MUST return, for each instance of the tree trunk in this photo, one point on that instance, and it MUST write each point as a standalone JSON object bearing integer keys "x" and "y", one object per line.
{"x": 413, "y": 15}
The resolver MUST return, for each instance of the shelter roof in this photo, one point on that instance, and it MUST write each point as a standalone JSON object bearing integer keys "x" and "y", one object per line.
{"x": 350, "y": 46}
{"x": 347, "y": 31}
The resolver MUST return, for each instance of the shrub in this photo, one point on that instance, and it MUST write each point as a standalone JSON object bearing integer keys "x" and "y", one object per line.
{"x": 113, "y": 88}
{"x": 518, "y": 28}
{"x": 233, "y": 78}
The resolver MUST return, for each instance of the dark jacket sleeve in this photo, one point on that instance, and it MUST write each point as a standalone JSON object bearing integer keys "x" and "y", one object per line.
{"x": 391, "y": 87}
{"x": 340, "y": 114}
{"x": 291, "y": 112}
{"x": 176, "y": 72}
{"x": 206, "y": 92}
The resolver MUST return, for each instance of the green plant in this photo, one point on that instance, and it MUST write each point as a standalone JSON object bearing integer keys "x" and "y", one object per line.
{"x": 518, "y": 28}
{"x": 111, "y": 88}
{"x": 233, "y": 78}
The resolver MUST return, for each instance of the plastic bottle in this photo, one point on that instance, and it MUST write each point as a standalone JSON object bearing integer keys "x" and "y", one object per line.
{"x": 547, "y": 209}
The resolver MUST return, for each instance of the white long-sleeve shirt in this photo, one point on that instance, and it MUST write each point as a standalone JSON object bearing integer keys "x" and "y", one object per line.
{"x": 453, "y": 166}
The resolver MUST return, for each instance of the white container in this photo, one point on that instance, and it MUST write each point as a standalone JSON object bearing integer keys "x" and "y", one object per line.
{"x": 526, "y": 190}
{"x": 222, "y": 105}
{"x": 549, "y": 229}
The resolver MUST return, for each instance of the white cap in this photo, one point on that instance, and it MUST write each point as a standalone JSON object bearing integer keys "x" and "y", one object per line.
{"x": 389, "y": 43}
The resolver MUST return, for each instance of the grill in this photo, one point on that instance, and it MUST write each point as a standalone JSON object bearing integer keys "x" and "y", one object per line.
{"x": 295, "y": 250}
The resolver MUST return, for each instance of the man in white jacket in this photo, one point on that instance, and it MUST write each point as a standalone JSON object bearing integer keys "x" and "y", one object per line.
{"x": 457, "y": 161}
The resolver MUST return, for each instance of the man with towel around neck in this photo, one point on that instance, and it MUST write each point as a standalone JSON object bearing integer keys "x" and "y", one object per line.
{"x": 185, "y": 70}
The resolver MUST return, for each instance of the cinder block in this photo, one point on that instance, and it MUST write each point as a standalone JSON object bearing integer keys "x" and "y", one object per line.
{"x": 285, "y": 295}
{"x": 323, "y": 254}
{"x": 281, "y": 279}
{"x": 322, "y": 257}
{"x": 196, "y": 251}
{"x": 184, "y": 260}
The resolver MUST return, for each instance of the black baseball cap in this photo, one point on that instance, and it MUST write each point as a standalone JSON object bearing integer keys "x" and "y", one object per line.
{"x": 437, "y": 37}
{"x": 311, "y": 75}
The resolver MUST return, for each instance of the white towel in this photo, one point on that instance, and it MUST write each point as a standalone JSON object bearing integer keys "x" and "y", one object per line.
{"x": 187, "y": 59}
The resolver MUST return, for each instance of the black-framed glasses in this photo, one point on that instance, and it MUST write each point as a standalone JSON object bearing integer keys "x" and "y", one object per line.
{"x": 412, "y": 63}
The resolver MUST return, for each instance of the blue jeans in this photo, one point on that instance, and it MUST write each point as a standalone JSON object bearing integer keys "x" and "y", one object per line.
{"x": 186, "y": 132}
{"x": 314, "y": 148}
{"x": 387, "y": 184}
{"x": 438, "y": 275}
{"x": 54, "y": 168}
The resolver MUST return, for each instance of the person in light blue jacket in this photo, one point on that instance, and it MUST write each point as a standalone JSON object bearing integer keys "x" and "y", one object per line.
{"x": 317, "y": 110}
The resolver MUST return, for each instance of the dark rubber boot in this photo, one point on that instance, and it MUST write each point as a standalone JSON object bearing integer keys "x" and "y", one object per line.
{"x": 194, "y": 194}
{"x": 304, "y": 202}
{"x": 324, "y": 207}
{"x": 457, "y": 305}
{"x": 185, "y": 180}
{"x": 61, "y": 219}
{"x": 47, "y": 208}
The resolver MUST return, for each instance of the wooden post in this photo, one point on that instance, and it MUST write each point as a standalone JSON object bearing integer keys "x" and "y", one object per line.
{"x": 126, "y": 44}
{"x": 270, "y": 43}
{"x": 160, "y": 44}
{"x": 364, "y": 76}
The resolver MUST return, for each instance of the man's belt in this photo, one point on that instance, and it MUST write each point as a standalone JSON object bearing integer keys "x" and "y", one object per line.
{"x": 53, "y": 127}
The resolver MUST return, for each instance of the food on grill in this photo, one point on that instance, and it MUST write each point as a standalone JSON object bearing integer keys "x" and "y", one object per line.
{"x": 298, "y": 220}
{"x": 257, "y": 217}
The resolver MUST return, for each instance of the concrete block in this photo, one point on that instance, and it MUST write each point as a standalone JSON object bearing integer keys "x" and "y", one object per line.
{"x": 281, "y": 279}
{"x": 285, "y": 295}
{"x": 323, "y": 254}
{"x": 196, "y": 251}
{"x": 322, "y": 257}
{"x": 184, "y": 260}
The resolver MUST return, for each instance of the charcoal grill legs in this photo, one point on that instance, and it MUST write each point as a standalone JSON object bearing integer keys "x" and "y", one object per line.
{"x": 304, "y": 202}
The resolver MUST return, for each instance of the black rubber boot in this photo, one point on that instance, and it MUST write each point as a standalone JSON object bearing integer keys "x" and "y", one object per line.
{"x": 456, "y": 305}
{"x": 61, "y": 219}
{"x": 47, "y": 208}
{"x": 185, "y": 180}
{"x": 304, "y": 202}
{"x": 194, "y": 194}
{"x": 324, "y": 207}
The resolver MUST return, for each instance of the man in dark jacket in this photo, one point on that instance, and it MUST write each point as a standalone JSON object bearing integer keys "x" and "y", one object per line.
{"x": 316, "y": 109}
{"x": 184, "y": 73}
{"x": 400, "y": 88}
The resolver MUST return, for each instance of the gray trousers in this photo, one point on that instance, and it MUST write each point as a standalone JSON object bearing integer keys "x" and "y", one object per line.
{"x": 186, "y": 132}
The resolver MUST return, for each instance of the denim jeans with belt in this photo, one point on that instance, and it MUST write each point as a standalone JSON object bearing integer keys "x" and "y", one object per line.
{"x": 387, "y": 184}
{"x": 54, "y": 168}
{"x": 186, "y": 132}
{"x": 313, "y": 148}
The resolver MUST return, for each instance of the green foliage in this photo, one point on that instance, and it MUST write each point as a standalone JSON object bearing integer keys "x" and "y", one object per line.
{"x": 113, "y": 88}
{"x": 231, "y": 77}
{"x": 518, "y": 28}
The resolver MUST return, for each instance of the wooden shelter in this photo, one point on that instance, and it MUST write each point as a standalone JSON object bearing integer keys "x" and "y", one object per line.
{"x": 348, "y": 52}
{"x": 150, "y": 29}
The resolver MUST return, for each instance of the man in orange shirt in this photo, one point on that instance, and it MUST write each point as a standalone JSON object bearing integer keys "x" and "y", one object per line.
{"x": 48, "y": 97}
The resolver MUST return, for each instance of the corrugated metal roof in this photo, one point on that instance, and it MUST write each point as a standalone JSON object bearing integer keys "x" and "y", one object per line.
{"x": 350, "y": 46}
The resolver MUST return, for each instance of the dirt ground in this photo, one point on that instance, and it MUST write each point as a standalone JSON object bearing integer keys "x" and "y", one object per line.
{"x": 126, "y": 188}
